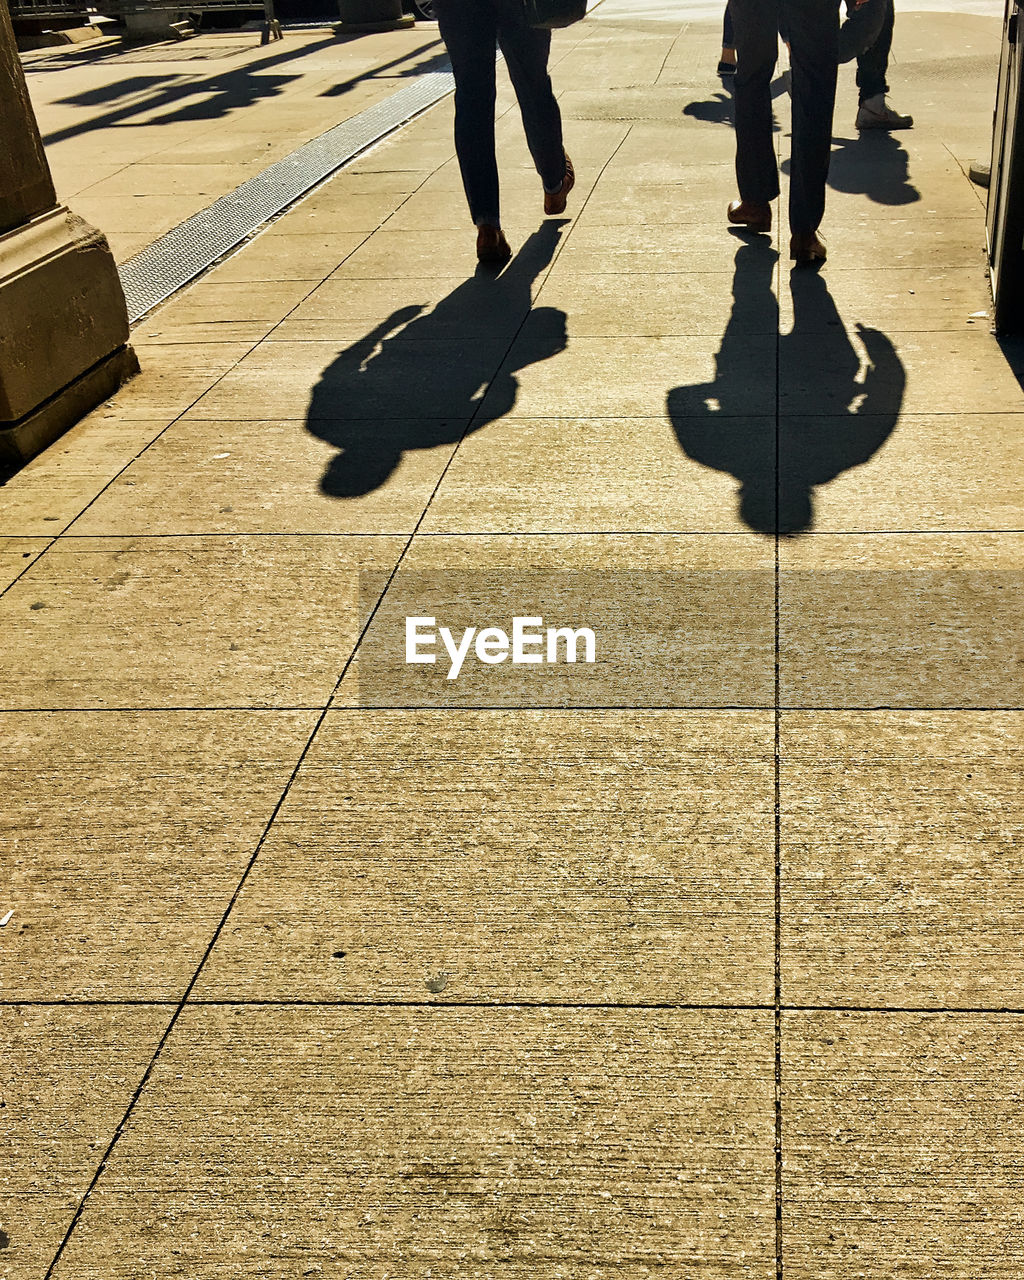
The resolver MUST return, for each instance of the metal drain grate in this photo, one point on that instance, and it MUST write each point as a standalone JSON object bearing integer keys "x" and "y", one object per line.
{"x": 184, "y": 52}
{"x": 196, "y": 244}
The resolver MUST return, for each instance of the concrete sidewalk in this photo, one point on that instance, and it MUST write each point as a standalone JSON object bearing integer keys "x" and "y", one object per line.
{"x": 705, "y": 964}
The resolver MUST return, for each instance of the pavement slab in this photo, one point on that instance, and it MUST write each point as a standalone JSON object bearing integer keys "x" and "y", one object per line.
{"x": 898, "y": 881}
{"x": 606, "y": 1143}
{"x": 129, "y": 834}
{"x": 944, "y": 299}
{"x": 954, "y": 372}
{"x": 903, "y": 1151}
{"x": 284, "y": 256}
{"x": 551, "y": 475}
{"x": 900, "y": 620}
{"x": 685, "y": 621}
{"x": 632, "y": 377}
{"x": 67, "y": 1077}
{"x": 238, "y": 477}
{"x": 85, "y": 605}
{"x": 672, "y": 305}
{"x": 470, "y": 860}
{"x": 931, "y": 473}
{"x": 629, "y": 249}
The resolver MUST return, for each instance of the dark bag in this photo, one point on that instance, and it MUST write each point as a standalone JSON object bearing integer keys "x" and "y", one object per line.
{"x": 554, "y": 13}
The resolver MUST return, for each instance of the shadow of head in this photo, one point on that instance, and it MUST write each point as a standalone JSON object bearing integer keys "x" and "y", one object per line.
{"x": 716, "y": 110}
{"x": 875, "y": 165}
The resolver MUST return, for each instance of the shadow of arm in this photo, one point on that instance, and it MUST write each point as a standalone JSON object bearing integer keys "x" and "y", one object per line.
{"x": 879, "y": 410}
{"x": 886, "y": 378}
{"x": 361, "y": 350}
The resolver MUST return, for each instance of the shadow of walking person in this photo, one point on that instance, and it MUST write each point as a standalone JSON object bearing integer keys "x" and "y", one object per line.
{"x": 875, "y": 165}
{"x": 836, "y": 409}
{"x": 422, "y": 379}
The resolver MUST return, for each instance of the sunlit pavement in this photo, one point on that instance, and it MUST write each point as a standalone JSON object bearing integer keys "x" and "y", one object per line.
{"x": 703, "y": 959}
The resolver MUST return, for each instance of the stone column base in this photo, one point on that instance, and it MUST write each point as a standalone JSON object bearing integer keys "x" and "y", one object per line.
{"x": 63, "y": 329}
{"x": 372, "y": 15}
{"x": 157, "y": 24}
{"x": 21, "y": 441}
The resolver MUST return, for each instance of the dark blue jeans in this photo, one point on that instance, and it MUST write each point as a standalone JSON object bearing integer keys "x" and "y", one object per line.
{"x": 812, "y": 28}
{"x": 471, "y": 29}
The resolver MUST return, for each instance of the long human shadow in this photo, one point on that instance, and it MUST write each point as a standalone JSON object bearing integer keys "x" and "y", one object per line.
{"x": 181, "y": 98}
{"x": 779, "y": 467}
{"x": 184, "y": 97}
{"x": 423, "y": 379}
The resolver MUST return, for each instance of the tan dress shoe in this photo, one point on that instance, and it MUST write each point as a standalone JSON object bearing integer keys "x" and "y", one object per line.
{"x": 749, "y": 214}
{"x": 554, "y": 201}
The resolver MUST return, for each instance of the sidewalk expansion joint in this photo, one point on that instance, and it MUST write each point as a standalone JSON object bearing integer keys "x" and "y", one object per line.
{"x": 199, "y": 242}
{"x": 285, "y": 1002}
{"x": 375, "y": 708}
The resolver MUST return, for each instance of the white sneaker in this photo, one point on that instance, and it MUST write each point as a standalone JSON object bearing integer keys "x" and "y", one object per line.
{"x": 875, "y": 113}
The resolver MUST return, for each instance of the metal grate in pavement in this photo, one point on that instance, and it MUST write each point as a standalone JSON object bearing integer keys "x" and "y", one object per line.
{"x": 181, "y": 53}
{"x": 196, "y": 244}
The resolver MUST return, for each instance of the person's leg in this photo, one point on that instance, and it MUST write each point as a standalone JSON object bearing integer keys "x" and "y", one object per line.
{"x": 756, "y": 25}
{"x": 873, "y": 63}
{"x": 469, "y": 30}
{"x": 526, "y": 53}
{"x": 813, "y": 27}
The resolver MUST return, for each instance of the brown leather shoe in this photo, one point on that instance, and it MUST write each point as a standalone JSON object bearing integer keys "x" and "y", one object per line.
{"x": 806, "y": 249}
{"x": 749, "y": 214}
{"x": 554, "y": 201}
{"x": 491, "y": 246}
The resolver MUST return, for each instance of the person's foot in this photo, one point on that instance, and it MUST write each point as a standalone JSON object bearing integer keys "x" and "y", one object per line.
{"x": 806, "y": 249}
{"x": 554, "y": 201}
{"x": 875, "y": 113}
{"x": 750, "y": 214}
{"x": 491, "y": 246}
